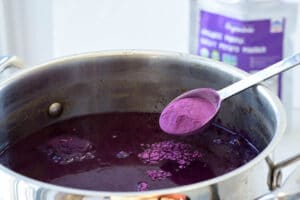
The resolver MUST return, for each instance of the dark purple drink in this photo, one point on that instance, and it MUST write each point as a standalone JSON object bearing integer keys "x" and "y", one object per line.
{"x": 125, "y": 152}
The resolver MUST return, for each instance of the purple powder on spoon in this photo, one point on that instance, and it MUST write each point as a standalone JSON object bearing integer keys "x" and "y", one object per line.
{"x": 186, "y": 115}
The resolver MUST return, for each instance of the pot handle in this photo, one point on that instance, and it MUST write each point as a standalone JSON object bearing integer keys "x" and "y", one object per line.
{"x": 288, "y": 189}
{"x": 9, "y": 65}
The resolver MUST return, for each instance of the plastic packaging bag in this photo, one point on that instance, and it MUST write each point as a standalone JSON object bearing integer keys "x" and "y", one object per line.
{"x": 249, "y": 34}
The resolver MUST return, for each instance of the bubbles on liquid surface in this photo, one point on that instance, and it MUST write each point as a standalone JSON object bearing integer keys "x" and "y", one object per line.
{"x": 158, "y": 174}
{"x": 142, "y": 186}
{"x": 122, "y": 154}
{"x": 217, "y": 141}
{"x": 235, "y": 141}
{"x": 68, "y": 149}
{"x": 179, "y": 152}
{"x": 114, "y": 136}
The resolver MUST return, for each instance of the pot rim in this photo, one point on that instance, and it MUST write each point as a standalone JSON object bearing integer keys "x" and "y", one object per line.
{"x": 272, "y": 98}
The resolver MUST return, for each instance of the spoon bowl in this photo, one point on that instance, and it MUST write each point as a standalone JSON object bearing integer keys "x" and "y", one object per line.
{"x": 192, "y": 111}
{"x": 210, "y": 104}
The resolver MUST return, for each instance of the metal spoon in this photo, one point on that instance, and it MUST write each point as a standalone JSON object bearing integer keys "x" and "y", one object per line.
{"x": 215, "y": 98}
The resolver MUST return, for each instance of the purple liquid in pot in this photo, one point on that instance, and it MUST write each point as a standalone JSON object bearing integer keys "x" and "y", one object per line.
{"x": 125, "y": 152}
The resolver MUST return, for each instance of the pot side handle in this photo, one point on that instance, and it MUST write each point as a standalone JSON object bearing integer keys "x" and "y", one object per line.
{"x": 288, "y": 189}
{"x": 9, "y": 65}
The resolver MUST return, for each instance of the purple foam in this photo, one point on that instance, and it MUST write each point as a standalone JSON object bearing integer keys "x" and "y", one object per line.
{"x": 68, "y": 149}
{"x": 169, "y": 150}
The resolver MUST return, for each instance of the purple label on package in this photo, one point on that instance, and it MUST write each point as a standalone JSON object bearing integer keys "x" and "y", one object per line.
{"x": 250, "y": 45}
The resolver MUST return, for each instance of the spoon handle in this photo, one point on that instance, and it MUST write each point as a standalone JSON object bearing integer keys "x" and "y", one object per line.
{"x": 262, "y": 75}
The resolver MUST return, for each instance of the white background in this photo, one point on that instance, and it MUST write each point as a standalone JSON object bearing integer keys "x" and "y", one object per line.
{"x": 38, "y": 30}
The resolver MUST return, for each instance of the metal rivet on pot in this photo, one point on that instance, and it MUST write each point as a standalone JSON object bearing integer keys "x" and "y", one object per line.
{"x": 55, "y": 109}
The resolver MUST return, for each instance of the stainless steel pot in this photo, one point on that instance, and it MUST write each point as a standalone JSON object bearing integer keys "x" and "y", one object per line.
{"x": 135, "y": 81}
